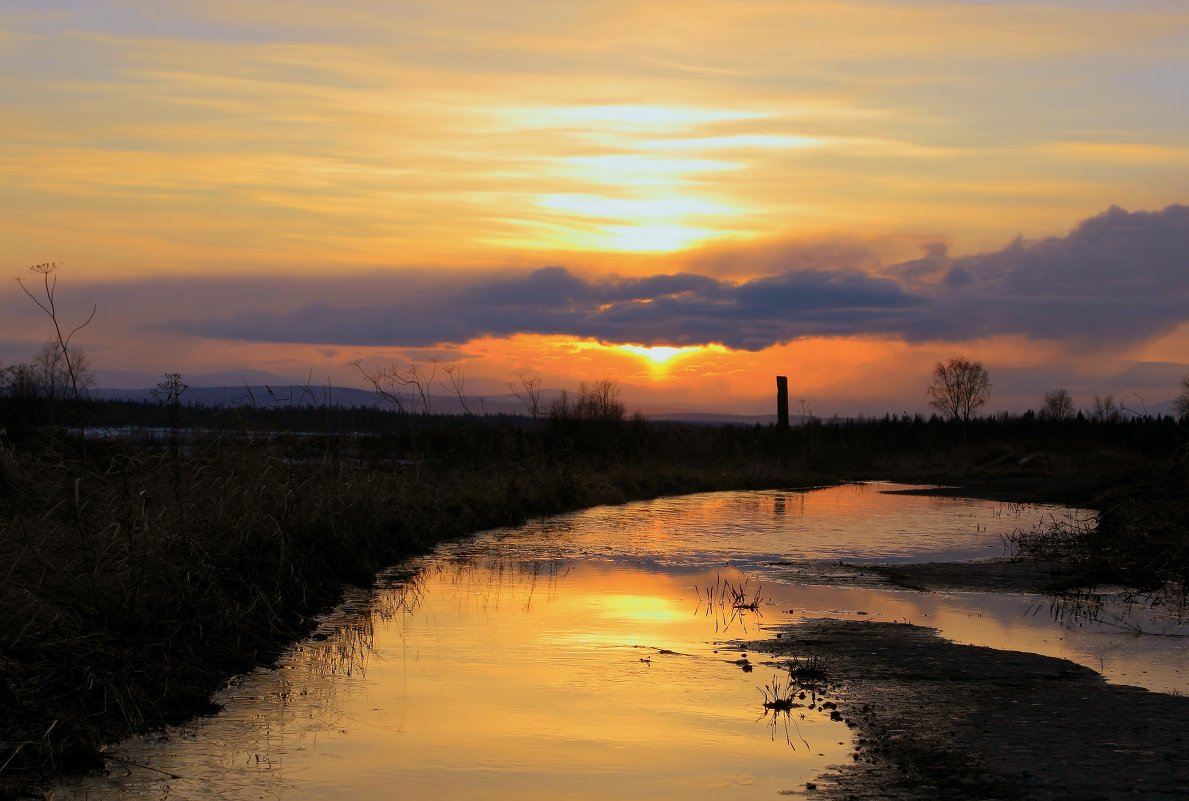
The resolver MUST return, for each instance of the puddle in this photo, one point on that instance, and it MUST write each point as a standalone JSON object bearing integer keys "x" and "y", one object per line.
{"x": 498, "y": 680}
{"x": 588, "y": 657}
{"x": 751, "y": 530}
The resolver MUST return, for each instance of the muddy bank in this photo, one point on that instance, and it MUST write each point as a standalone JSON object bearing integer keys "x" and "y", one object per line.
{"x": 1070, "y": 488}
{"x": 1022, "y": 575}
{"x": 137, "y": 582}
{"x": 938, "y": 720}
{"x": 1003, "y": 575}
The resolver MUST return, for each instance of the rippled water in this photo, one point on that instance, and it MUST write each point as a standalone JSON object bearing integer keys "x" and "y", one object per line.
{"x": 576, "y": 658}
{"x": 753, "y": 530}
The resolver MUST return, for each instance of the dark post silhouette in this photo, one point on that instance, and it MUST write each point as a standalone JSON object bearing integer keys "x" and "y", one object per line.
{"x": 782, "y": 401}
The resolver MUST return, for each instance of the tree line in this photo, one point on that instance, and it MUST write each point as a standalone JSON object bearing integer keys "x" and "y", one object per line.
{"x": 961, "y": 387}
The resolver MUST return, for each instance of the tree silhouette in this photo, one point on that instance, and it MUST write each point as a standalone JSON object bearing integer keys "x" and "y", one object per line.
{"x": 1058, "y": 405}
{"x": 1181, "y": 404}
{"x": 960, "y": 387}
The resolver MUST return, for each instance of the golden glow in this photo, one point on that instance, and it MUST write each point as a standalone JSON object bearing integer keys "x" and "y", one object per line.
{"x": 652, "y": 238}
{"x": 635, "y": 170}
{"x": 650, "y": 608}
{"x": 658, "y": 223}
{"x": 350, "y": 150}
{"x": 642, "y": 117}
{"x": 737, "y": 141}
{"x": 1120, "y": 152}
{"x": 662, "y": 209}
{"x": 584, "y": 235}
{"x": 609, "y": 138}
{"x": 661, "y": 355}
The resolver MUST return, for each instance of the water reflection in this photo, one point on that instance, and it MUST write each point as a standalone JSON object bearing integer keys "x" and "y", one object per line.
{"x": 1162, "y": 612}
{"x": 498, "y": 679}
{"x": 731, "y": 604}
{"x": 754, "y": 530}
{"x": 788, "y": 699}
{"x": 779, "y": 702}
{"x": 589, "y": 657}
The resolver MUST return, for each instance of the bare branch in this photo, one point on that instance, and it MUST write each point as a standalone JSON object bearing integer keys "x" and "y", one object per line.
{"x": 531, "y": 395}
{"x": 457, "y": 386}
{"x": 960, "y": 388}
{"x": 49, "y": 276}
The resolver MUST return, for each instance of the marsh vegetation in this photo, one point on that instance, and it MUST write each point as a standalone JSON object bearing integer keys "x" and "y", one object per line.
{"x": 140, "y": 573}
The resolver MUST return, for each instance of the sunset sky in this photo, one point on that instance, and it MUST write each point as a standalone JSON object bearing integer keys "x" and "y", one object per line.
{"x": 686, "y": 197}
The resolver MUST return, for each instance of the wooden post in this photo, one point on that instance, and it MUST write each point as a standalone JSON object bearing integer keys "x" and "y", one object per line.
{"x": 782, "y": 401}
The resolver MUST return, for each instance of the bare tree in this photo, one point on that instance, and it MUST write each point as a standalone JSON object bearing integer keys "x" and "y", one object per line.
{"x": 404, "y": 386}
{"x": 561, "y": 407}
{"x": 960, "y": 388}
{"x": 21, "y": 380}
{"x": 53, "y": 369}
{"x": 1105, "y": 410}
{"x": 1181, "y": 404}
{"x": 49, "y": 277}
{"x": 598, "y": 401}
{"x": 1058, "y": 405}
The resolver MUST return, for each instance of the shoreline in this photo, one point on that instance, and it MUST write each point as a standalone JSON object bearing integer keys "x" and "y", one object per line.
{"x": 52, "y": 723}
{"x": 415, "y": 508}
{"x": 934, "y": 719}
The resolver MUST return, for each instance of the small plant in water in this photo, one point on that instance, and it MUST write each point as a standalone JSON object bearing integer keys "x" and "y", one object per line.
{"x": 1158, "y": 612}
{"x": 780, "y": 698}
{"x": 805, "y": 670}
{"x": 735, "y": 596}
{"x": 730, "y": 602}
{"x": 779, "y": 695}
{"x": 1064, "y": 538}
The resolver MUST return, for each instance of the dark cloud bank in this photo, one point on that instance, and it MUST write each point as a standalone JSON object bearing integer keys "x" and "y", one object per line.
{"x": 1118, "y": 277}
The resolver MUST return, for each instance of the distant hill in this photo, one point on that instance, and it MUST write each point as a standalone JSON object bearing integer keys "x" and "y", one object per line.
{"x": 233, "y": 393}
{"x": 286, "y": 395}
{"x": 724, "y": 419}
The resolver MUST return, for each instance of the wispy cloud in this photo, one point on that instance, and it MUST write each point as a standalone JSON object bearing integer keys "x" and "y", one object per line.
{"x": 207, "y": 135}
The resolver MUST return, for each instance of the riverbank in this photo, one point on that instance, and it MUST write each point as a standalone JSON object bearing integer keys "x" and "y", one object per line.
{"x": 938, "y": 720}
{"x": 935, "y": 719}
{"x": 138, "y": 579}
{"x": 137, "y": 582}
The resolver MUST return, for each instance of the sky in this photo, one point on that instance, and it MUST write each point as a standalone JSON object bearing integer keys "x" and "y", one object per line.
{"x": 688, "y": 198}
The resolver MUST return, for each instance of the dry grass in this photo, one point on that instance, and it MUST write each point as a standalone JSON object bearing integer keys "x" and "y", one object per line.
{"x": 136, "y": 581}
{"x": 1140, "y": 538}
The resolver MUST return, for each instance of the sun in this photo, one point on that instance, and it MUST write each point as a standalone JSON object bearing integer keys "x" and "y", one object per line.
{"x": 659, "y": 355}
{"x": 657, "y": 360}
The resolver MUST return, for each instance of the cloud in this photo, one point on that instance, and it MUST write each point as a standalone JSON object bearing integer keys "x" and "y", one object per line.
{"x": 682, "y": 309}
{"x": 1117, "y": 278}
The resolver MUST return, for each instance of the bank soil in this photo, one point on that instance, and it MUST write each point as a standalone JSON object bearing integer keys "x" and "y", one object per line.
{"x": 936, "y": 720}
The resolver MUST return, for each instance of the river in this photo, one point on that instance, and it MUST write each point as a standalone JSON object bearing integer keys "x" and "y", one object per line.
{"x": 594, "y": 656}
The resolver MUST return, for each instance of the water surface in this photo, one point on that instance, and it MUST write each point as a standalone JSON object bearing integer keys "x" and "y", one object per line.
{"x": 577, "y": 658}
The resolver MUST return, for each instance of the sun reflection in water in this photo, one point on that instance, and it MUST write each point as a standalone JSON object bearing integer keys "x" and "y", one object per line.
{"x": 532, "y": 669}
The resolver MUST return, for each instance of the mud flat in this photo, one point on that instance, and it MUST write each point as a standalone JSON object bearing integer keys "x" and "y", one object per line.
{"x": 936, "y": 720}
{"x": 991, "y": 575}
{"x": 998, "y": 575}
